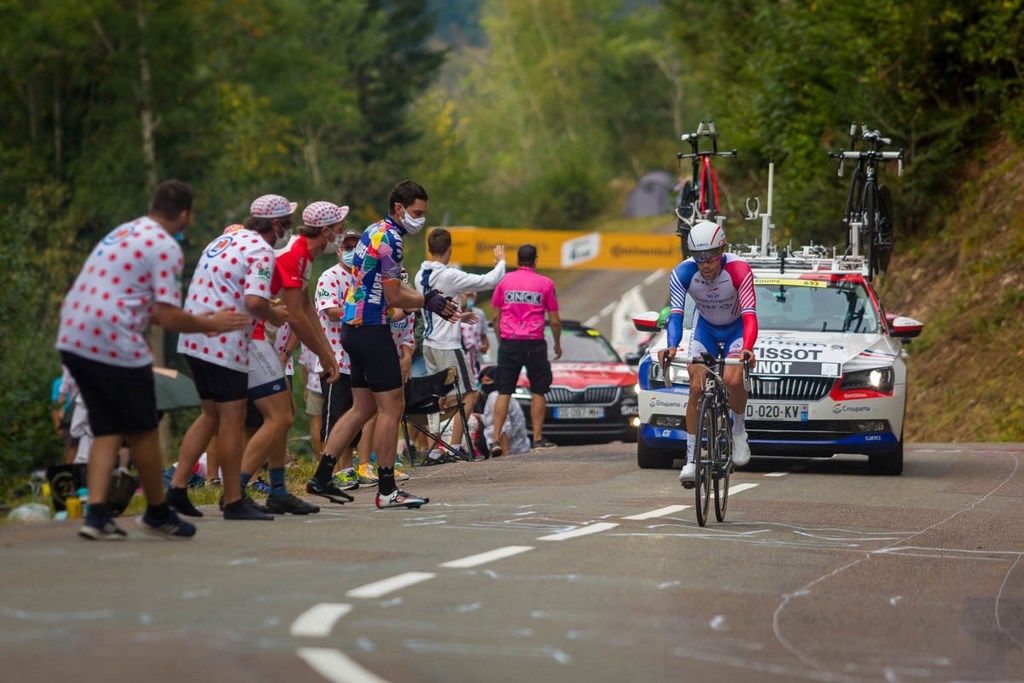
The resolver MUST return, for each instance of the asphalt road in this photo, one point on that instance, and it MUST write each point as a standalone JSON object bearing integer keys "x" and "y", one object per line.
{"x": 823, "y": 573}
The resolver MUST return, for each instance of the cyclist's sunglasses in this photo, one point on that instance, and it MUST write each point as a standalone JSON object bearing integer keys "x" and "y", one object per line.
{"x": 705, "y": 256}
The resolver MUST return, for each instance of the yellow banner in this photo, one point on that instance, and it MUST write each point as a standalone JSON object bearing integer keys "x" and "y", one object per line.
{"x": 568, "y": 248}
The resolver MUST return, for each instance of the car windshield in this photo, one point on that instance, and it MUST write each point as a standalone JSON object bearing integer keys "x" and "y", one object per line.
{"x": 582, "y": 345}
{"x": 814, "y": 306}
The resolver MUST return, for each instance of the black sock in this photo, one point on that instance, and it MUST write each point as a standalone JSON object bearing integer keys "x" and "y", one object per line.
{"x": 97, "y": 512}
{"x": 385, "y": 480}
{"x": 161, "y": 511}
{"x": 326, "y": 468}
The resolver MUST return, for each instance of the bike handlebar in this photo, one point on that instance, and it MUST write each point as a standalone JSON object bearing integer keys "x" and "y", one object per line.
{"x": 694, "y": 155}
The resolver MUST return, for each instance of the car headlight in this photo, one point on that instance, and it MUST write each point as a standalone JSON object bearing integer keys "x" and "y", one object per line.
{"x": 875, "y": 379}
{"x": 677, "y": 374}
{"x": 521, "y": 392}
{"x": 631, "y": 389}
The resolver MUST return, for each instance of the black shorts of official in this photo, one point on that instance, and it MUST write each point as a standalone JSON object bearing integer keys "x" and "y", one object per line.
{"x": 513, "y": 355}
{"x": 217, "y": 383}
{"x": 373, "y": 357}
{"x": 119, "y": 400}
{"x": 337, "y": 402}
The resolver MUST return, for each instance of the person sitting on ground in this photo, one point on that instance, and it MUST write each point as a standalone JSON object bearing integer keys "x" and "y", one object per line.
{"x": 513, "y": 438}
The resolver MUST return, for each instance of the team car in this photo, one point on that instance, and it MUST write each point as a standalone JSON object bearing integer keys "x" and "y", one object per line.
{"x": 830, "y": 375}
{"x": 593, "y": 393}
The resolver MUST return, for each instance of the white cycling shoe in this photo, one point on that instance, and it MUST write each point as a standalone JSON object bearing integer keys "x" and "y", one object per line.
{"x": 740, "y": 449}
{"x": 687, "y": 474}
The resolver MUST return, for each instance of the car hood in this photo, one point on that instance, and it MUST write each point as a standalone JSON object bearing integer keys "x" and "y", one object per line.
{"x": 583, "y": 375}
{"x": 851, "y": 351}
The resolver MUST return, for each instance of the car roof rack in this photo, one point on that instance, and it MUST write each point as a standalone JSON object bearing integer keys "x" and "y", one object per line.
{"x": 809, "y": 258}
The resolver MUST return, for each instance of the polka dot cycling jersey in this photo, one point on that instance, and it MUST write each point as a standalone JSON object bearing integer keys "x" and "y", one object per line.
{"x": 105, "y": 313}
{"x": 232, "y": 267}
{"x": 330, "y": 293}
{"x": 293, "y": 267}
{"x": 378, "y": 257}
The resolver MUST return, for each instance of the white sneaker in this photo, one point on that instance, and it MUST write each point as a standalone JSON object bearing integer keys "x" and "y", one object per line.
{"x": 740, "y": 449}
{"x": 688, "y": 472}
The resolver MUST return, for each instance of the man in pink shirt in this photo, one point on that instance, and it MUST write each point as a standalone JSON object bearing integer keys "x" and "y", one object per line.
{"x": 519, "y": 302}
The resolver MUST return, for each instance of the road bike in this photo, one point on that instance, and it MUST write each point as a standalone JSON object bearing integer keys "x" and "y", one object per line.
{"x": 868, "y": 214}
{"x": 712, "y": 453}
{"x": 698, "y": 199}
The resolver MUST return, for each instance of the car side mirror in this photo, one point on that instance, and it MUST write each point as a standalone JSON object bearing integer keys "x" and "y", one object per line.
{"x": 904, "y": 328}
{"x": 646, "y": 322}
{"x": 633, "y": 358}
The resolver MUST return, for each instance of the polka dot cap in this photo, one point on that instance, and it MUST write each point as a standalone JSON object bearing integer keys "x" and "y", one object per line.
{"x": 320, "y": 214}
{"x": 271, "y": 206}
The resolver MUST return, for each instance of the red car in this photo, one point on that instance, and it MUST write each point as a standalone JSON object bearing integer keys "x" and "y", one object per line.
{"x": 593, "y": 393}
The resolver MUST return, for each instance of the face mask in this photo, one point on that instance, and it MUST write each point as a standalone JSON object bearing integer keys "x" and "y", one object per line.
{"x": 347, "y": 257}
{"x": 179, "y": 237}
{"x": 470, "y": 303}
{"x": 332, "y": 244}
{"x": 413, "y": 225}
{"x": 282, "y": 240}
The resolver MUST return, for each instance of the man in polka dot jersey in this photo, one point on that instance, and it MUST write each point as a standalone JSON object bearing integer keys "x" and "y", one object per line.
{"x": 320, "y": 233}
{"x": 131, "y": 277}
{"x": 233, "y": 272}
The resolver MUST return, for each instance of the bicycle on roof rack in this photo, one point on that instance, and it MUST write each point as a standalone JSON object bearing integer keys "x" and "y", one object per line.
{"x": 698, "y": 199}
{"x": 868, "y": 214}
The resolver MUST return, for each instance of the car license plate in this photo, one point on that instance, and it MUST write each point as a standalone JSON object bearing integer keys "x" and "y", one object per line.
{"x": 785, "y": 412}
{"x": 576, "y": 413}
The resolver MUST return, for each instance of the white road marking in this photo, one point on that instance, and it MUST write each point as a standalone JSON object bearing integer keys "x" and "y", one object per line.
{"x": 717, "y": 623}
{"x": 895, "y": 600}
{"x": 590, "y": 322}
{"x": 318, "y": 620}
{"x": 582, "y": 531}
{"x": 660, "y": 512}
{"x": 484, "y": 558}
{"x": 608, "y": 309}
{"x": 740, "y": 488}
{"x": 336, "y": 667}
{"x": 654, "y": 277}
{"x": 383, "y": 587}
{"x": 776, "y": 474}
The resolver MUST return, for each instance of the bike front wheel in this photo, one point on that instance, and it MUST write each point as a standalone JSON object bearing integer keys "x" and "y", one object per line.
{"x": 723, "y": 467}
{"x": 704, "y": 458}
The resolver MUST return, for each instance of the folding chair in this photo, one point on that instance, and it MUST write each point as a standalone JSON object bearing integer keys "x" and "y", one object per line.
{"x": 428, "y": 396}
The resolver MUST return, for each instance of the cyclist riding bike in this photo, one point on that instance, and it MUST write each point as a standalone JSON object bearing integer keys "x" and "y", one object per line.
{"x": 722, "y": 287}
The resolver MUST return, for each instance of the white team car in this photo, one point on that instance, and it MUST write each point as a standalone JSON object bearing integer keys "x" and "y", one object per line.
{"x": 830, "y": 375}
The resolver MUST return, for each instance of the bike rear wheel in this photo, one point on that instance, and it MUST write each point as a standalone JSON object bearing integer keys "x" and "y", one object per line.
{"x": 871, "y": 227}
{"x": 704, "y": 458}
{"x": 723, "y": 467}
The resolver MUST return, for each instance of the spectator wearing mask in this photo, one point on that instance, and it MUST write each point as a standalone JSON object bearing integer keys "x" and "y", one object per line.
{"x": 513, "y": 438}
{"x": 474, "y": 335}
{"x": 442, "y": 340}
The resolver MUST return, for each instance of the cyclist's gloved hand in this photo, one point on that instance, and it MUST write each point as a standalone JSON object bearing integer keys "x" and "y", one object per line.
{"x": 748, "y": 356}
{"x": 440, "y": 305}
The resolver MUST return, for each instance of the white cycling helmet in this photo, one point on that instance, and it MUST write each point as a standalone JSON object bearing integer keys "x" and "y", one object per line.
{"x": 705, "y": 236}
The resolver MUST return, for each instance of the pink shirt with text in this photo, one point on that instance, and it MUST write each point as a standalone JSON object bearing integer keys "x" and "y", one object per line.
{"x": 523, "y": 296}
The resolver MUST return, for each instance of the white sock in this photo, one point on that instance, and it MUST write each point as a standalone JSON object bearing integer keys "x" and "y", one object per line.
{"x": 690, "y": 439}
{"x": 737, "y": 422}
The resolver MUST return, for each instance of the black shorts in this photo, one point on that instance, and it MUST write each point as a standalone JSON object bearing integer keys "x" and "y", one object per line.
{"x": 253, "y": 416}
{"x": 216, "y": 382}
{"x": 337, "y": 401}
{"x": 373, "y": 356}
{"x": 513, "y": 354}
{"x": 119, "y": 400}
